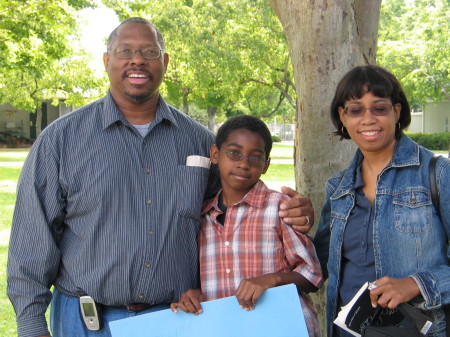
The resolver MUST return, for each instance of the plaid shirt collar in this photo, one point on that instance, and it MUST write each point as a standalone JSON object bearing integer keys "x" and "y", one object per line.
{"x": 255, "y": 197}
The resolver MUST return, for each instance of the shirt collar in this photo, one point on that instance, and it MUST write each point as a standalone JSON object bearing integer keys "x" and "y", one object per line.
{"x": 111, "y": 113}
{"x": 406, "y": 152}
{"x": 255, "y": 197}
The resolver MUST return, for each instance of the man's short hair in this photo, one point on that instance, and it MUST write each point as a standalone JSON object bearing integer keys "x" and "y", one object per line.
{"x": 113, "y": 34}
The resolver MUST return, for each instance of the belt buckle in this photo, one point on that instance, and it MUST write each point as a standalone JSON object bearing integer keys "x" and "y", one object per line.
{"x": 137, "y": 307}
{"x": 128, "y": 306}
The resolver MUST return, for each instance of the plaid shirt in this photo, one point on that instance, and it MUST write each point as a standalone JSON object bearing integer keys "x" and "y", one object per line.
{"x": 253, "y": 241}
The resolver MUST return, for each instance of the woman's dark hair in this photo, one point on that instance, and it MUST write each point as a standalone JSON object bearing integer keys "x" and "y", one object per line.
{"x": 376, "y": 80}
{"x": 247, "y": 122}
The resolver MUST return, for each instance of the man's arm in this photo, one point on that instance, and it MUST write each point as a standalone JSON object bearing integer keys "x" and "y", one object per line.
{"x": 33, "y": 258}
{"x": 298, "y": 211}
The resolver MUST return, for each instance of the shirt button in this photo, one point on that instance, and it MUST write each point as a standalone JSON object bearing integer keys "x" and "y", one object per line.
{"x": 147, "y": 265}
{"x": 227, "y": 243}
{"x": 149, "y": 201}
{"x": 228, "y": 271}
{"x": 141, "y": 296}
{"x": 151, "y": 232}
{"x": 147, "y": 171}
{"x": 362, "y": 243}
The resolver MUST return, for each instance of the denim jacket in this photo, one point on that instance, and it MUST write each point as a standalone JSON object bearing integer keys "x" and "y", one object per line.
{"x": 409, "y": 237}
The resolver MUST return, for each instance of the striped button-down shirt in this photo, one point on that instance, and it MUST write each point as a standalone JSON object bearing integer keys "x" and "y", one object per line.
{"x": 253, "y": 241}
{"x": 104, "y": 211}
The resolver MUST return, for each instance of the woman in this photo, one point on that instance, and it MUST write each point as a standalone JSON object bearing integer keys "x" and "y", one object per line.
{"x": 378, "y": 222}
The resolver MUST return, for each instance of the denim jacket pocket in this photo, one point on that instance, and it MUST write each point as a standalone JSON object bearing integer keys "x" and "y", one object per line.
{"x": 413, "y": 210}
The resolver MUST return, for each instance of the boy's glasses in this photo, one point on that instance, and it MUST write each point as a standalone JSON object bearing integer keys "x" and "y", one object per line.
{"x": 357, "y": 110}
{"x": 256, "y": 161}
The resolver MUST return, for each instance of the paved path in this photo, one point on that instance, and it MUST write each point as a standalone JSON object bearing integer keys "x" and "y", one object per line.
{"x": 282, "y": 161}
{"x": 11, "y": 163}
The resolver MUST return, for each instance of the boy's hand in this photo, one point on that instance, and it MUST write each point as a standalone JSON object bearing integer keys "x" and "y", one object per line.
{"x": 189, "y": 302}
{"x": 298, "y": 211}
{"x": 251, "y": 289}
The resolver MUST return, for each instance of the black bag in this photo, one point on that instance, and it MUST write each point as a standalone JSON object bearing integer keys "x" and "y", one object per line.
{"x": 374, "y": 331}
{"x": 408, "y": 322}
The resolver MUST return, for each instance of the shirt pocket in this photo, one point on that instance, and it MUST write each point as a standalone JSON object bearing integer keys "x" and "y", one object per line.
{"x": 413, "y": 210}
{"x": 191, "y": 185}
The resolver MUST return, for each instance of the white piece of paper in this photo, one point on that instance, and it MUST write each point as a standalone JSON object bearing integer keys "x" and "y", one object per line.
{"x": 198, "y": 161}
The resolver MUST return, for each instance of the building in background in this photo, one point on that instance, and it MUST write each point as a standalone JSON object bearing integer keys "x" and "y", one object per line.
{"x": 434, "y": 118}
{"x": 19, "y": 128}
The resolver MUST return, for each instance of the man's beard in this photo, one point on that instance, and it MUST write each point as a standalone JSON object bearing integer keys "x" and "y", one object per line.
{"x": 139, "y": 99}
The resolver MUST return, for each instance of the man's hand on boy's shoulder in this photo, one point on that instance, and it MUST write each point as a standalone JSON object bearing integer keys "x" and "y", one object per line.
{"x": 298, "y": 211}
{"x": 189, "y": 302}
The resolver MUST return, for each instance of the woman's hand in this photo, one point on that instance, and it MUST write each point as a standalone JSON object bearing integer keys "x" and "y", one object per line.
{"x": 298, "y": 211}
{"x": 189, "y": 302}
{"x": 390, "y": 292}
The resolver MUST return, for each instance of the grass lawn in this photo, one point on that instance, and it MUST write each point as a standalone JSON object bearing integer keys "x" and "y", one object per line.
{"x": 8, "y": 181}
{"x": 279, "y": 172}
{"x": 282, "y": 151}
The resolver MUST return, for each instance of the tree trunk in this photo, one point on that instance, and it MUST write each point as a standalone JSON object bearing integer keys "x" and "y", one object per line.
{"x": 326, "y": 39}
{"x": 212, "y": 110}
{"x": 38, "y": 120}
{"x": 185, "y": 101}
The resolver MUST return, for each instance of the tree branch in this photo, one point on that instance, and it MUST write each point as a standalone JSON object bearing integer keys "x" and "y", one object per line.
{"x": 280, "y": 100}
{"x": 439, "y": 84}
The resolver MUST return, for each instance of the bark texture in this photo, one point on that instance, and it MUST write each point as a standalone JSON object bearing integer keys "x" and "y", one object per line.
{"x": 326, "y": 39}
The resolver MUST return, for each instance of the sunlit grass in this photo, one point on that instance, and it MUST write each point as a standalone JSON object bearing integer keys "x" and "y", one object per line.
{"x": 279, "y": 172}
{"x": 281, "y": 151}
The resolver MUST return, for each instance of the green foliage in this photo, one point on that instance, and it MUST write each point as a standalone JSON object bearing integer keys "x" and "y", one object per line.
{"x": 40, "y": 57}
{"x": 432, "y": 141}
{"x": 276, "y": 139}
{"x": 227, "y": 54}
{"x": 414, "y": 39}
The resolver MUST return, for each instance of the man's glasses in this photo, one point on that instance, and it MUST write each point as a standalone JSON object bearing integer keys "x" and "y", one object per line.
{"x": 147, "y": 53}
{"x": 357, "y": 110}
{"x": 234, "y": 155}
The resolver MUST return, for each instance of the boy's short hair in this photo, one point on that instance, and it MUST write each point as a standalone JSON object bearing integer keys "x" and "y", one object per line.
{"x": 247, "y": 122}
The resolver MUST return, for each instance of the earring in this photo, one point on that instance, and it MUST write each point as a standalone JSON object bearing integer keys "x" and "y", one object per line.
{"x": 344, "y": 131}
{"x": 398, "y": 126}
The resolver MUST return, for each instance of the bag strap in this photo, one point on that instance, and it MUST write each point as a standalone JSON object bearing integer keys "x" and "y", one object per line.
{"x": 435, "y": 200}
{"x": 433, "y": 185}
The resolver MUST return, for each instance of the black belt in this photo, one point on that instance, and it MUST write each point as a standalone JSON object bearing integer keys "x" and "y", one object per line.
{"x": 135, "y": 307}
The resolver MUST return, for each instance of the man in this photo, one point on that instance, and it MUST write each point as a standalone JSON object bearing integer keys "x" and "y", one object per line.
{"x": 106, "y": 205}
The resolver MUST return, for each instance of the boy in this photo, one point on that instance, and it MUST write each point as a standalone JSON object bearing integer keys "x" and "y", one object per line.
{"x": 245, "y": 248}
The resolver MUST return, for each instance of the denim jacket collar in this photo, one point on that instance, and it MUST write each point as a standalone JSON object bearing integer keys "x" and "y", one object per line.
{"x": 406, "y": 153}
